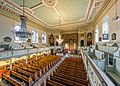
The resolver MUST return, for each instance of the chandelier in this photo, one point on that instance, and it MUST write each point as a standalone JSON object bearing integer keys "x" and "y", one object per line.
{"x": 116, "y": 18}
{"x": 59, "y": 40}
{"x": 23, "y": 31}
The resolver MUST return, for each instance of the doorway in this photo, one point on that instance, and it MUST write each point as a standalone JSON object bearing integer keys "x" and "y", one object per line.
{"x": 82, "y": 43}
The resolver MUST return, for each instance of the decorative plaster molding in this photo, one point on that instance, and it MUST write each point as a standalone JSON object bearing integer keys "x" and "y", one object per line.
{"x": 104, "y": 9}
{"x": 107, "y": 4}
{"x": 5, "y": 11}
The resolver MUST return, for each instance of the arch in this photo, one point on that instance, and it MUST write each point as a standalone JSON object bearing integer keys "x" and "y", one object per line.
{"x": 82, "y": 42}
{"x": 105, "y": 29}
{"x": 34, "y": 36}
{"x": 96, "y": 34}
{"x": 89, "y": 39}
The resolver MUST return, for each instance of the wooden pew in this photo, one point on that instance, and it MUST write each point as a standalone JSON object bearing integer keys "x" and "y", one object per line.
{"x": 28, "y": 80}
{"x": 72, "y": 78}
{"x": 70, "y": 68}
{"x": 14, "y": 82}
{"x": 54, "y": 83}
{"x": 34, "y": 76}
{"x": 36, "y": 68}
{"x": 32, "y": 70}
{"x": 66, "y": 81}
{"x": 73, "y": 74}
{"x": 39, "y": 67}
{"x": 75, "y": 68}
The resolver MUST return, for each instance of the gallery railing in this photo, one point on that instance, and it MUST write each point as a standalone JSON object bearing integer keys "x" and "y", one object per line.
{"x": 95, "y": 75}
{"x": 21, "y": 52}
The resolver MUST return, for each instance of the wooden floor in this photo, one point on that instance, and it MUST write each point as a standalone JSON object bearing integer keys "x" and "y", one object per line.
{"x": 70, "y": 73}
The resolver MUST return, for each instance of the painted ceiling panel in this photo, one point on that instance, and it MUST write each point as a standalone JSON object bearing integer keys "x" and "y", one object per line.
{"x": 28, "y": 3}
{"x": 48, "y": 15}
{"x": 72, "y": 10}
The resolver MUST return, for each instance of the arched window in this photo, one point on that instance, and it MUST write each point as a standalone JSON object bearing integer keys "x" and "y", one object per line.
{"x": 74, "y": 45}
{"x": 44, "y": 38}
{"x": 17, "y": 39}
{"x": 66, "y": 45}
{"x": 96, "y": 34}
{"x": 105, "y": 29}
{"x": 34, "y": 37}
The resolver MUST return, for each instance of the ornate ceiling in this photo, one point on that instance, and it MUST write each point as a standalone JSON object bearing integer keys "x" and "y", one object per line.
{"x": 51, "y": 13}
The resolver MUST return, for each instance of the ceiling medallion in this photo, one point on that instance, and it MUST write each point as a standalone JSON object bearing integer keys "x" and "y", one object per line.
{"x": 50, "y": 3}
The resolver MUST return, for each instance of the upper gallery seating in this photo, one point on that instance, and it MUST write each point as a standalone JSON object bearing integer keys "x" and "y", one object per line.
{"x": 70, "y": 73}
{"x": 26, "y": 74}
{"x": 111, "y": 62}
{"x": 14, "y": 46}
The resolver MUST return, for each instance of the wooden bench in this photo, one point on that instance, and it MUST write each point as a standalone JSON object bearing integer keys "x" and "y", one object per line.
{"x": 34, "y": 76}
{"x": 66, "y": 81}
{"x": 73, "y": 67}
{"x": 79, "y": 80}
{"x": 73, "y": 74}
{"x": 77, "y": 71}
{"x": 54, "y": 83}
{"x": 14, "y": 82}
{"x": 32, "y": 70}
{"x": 28, "y": 80}
{"x": 70, "y": 68}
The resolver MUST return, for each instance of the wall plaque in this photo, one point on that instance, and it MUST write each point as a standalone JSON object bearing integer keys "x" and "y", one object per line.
{"x": 113, "y": 36}
{"x": 105, "y": 36}
{"x": 99, "y": 38}
{"x": 7, "y": 39}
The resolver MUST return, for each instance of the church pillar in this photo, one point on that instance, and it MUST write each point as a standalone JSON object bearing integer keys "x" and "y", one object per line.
{"x": 10, "y": 63}
{"x": 79, "y": 40}
{"x": 27, "y": 59}
{"x": 36, "y": 57}
{"x": 85, "y": 38}
{"x": 93, "y": 37}
{"x": 44, "y": 82}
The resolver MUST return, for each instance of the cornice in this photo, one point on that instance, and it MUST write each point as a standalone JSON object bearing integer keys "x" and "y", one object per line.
{"x": 107, "y": 4}
{"x": 5, "y": 11}
{"x": 104, "y": 9}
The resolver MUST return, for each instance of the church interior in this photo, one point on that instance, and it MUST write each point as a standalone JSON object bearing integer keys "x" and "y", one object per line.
{"x": 59, "y": 43}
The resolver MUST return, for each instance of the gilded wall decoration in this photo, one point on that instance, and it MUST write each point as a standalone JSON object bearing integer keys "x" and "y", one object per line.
{"x": 89, "y": 39}
{"x": 71, "y": 40}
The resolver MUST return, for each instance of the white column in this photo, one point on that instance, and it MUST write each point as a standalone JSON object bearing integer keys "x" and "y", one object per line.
{"x": 39, "y": 84}
{"x": 44, "y": 82}
{"x": 52, "y": 73}
{"x": 27, "y": 59}
{"x": 36, "y": 57}
{"x": 49, "y": 77}
{"x": 11, "y": 64}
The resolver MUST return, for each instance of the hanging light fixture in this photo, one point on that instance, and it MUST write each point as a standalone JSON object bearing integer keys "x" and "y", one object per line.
{"x": 116, "y": 18}
{"x": 59, "y": 40}
{"x": 23, "y": 31}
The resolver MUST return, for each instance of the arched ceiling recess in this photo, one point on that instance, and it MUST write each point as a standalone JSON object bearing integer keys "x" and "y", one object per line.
{"x": 73, "y": 14}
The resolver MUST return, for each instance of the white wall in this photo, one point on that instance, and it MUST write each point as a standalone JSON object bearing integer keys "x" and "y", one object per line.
{"x": 7, "y": 24}
{"x": 113, "y": 27}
